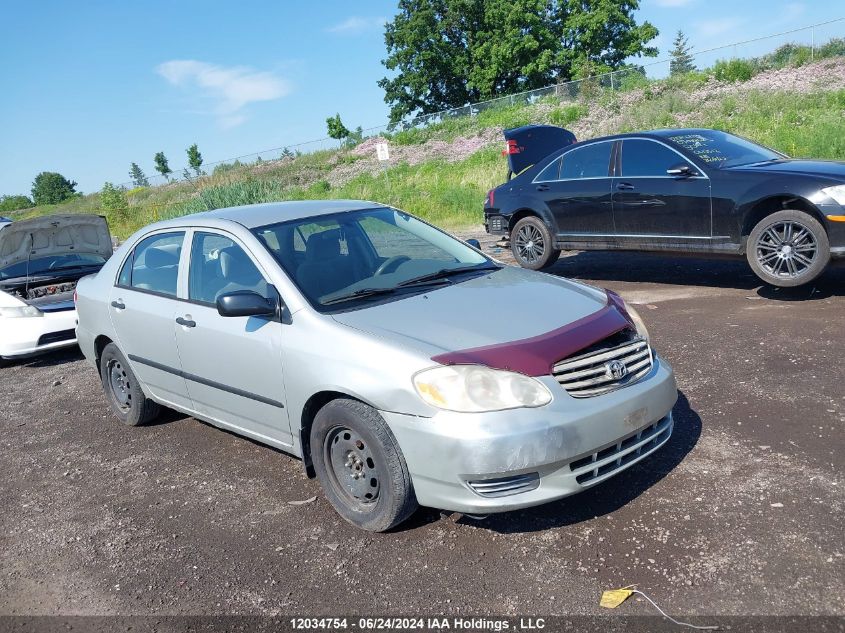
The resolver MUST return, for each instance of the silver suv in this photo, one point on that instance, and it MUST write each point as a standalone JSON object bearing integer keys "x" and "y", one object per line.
{"x": 401, "y": 364}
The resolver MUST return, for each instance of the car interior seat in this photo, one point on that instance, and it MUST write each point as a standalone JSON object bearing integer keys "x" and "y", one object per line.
{"x": 159, "y": 270}
{"x": 324, "y": 270}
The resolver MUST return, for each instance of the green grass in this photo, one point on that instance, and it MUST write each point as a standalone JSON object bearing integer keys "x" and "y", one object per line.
{"x": 451, "y": 194}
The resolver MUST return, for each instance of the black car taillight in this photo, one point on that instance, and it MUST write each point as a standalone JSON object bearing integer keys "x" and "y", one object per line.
{"x": 491, "y": 197}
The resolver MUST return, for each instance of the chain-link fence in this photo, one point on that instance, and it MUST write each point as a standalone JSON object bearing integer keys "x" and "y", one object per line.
{"x": 788, "y": 48}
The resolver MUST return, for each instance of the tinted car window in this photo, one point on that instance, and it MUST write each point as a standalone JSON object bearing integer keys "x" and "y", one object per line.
{"x": 219, "y": 266}
{"x": 155, "y": 263}
{"x": 591, "y": 161}
{"x": 647, "y": 158}
{"x": 551, "y": 172}
{"x": 721, "y": 149}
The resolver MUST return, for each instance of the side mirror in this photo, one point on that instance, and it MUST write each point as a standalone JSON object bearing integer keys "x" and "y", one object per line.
{"x": 681, "y": 169}
{"x": 474, "y": 243}
{"x": 247, "y": 303}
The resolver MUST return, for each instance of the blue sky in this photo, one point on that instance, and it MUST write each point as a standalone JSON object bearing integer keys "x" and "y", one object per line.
{"x": 89, "y": 87}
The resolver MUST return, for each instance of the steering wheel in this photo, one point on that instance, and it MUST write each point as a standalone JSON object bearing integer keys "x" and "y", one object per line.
{"x": 391, "y": 263}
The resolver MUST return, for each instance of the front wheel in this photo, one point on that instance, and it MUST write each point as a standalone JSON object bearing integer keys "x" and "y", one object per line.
{"x": 360, "y": 466}
{"x": 532, "y": 244}
{"x": 788, "y": 248}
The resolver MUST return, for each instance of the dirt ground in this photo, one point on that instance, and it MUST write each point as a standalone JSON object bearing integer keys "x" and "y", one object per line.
{"x": 741, "y": 513}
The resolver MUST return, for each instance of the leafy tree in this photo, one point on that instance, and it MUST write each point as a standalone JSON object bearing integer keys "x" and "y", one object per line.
{"x": 113, "y": 198}
{"x": 139, "y": 178}
{"x": 13, "y": 203}
{"x": 161, "y": 165}
{"x": 194, "y": 158}
{"x": 52, "y": 188}
{"x": 447, "y": 53}
{"x": 336, "y": 128}
{"x": 681, "y": 62}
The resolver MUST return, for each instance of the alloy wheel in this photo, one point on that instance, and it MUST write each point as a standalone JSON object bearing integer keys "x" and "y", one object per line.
{"x": 351, "y": 466}
{"x": 786, "y": 249}
{"x": 530, "y": 244}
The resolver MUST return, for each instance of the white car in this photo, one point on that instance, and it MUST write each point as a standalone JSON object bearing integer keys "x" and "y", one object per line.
{"x": 41, "y": 260}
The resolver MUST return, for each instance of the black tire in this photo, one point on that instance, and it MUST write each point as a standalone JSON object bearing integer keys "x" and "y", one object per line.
{"x": 788, "y": 248}
{"x": 122, "y": 390}
{"x": 360, "y": 466}
{"x": 532, "y": 244}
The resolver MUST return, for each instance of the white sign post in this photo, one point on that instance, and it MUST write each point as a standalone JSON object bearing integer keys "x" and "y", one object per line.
{"x": 383, "y": 155}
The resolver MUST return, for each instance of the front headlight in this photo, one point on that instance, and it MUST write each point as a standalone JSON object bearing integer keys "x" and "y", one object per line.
{"x": 837, "y": 192}
{"x": 21, "y": 312}
{"x": 639, "y": 324}
{"x": 475, "y": 388}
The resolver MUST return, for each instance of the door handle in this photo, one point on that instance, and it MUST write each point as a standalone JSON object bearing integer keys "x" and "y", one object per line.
{"x": 186, "y": 322}
{"x": 625, "y": 186}
{"x": 542, "y": 187}
{"x": 118, "y": 304}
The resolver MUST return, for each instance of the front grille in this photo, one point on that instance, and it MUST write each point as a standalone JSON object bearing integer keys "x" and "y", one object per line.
{"x": 625, "y": 451}
{"x": 606, "y": 366}
{"x": 505, "y": 486}
{"x": 55, "y": 337}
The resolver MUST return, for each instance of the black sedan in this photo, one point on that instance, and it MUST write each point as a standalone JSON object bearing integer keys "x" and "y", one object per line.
{"x": 682, "y": 190}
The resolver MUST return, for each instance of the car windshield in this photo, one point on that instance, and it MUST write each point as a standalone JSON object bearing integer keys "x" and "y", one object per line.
{"x": 344, "y": 260}
{"x": 52, "y": 264}
{"x": 720, "y": 149}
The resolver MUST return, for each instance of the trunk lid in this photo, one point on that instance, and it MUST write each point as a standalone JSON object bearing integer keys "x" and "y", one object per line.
{"x": 529, "y": 144}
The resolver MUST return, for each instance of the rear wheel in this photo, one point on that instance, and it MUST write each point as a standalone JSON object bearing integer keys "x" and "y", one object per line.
{"x": 122, "y": 390}
{"x": 360, "y": 466}
{"x": 788, "y": 248}
{"x": 532, "y": 244}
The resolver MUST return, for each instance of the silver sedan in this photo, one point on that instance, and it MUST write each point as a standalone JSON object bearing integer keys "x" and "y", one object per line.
{"x": 402, "y": 365}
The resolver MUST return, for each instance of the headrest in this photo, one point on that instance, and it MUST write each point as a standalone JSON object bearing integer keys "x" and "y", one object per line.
{"x": 235, "y": 264}
{"x": 322, "y": 246}
{"x": 161, "y": 256}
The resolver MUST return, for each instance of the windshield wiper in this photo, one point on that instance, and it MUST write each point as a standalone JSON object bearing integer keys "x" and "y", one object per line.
{"x": 444, "y": 273}
{"x": 362, "y": 293}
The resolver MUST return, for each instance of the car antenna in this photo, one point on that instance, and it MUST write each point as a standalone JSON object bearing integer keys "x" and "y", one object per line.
{"x": 29, "y": 257}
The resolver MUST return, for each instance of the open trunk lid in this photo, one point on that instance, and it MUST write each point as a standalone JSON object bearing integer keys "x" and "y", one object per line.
{"x": 529, "y": 144}
{"x": 54, "y": 235}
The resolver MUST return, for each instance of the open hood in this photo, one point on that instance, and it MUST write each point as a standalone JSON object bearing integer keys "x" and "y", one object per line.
{"x": 54, "y": 235}
{"x": 529, "y": 144}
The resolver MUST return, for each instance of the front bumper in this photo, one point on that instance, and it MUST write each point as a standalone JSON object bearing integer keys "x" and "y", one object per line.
{"x": 28, "y": 336}
{"x": 545, "y": 454}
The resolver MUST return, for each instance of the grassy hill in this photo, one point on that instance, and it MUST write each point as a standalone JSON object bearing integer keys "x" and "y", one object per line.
{"x": 443, "y": 172}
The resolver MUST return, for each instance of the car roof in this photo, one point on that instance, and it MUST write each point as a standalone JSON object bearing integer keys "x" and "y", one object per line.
{"x": 255, "y": 215}
{"x": 661, "y": 133}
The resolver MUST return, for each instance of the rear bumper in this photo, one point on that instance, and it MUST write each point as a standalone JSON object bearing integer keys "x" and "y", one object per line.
{"x": 495, "y": 224}
{"x": 538, "y": 455}
{"x": 28, "y": 336}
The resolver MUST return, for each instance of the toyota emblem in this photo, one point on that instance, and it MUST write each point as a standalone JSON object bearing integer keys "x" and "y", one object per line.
{"x": 616, "y": 369}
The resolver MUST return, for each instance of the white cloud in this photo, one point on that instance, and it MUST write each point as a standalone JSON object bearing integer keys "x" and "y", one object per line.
{"x": 356, "y": 24}
{"x": 231, "y": 88}
{"x": 672, "y": 3}
{"x": 717, "y": 26}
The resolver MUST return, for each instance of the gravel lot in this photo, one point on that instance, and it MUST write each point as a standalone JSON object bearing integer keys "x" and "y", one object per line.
{"x": 741, "y": 513}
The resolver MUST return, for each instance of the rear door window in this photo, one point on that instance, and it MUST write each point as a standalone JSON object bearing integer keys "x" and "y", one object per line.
{"x": 590, "y": 161}
{"x": 154, "y": 264}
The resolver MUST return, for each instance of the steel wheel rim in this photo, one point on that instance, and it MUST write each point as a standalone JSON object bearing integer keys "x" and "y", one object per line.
{"x": 530, "y": 244}
{"x": 786, "y": 249}
{"x": 119, "y": 385}
{"x": 351, "y": 466}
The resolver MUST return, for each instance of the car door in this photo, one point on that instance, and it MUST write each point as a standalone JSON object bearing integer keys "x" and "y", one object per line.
{"x": 233, "y": 365}
{"x": 142, "y": 307}
{"x": 577, "y": 190}
{"x": 653, "y": 205}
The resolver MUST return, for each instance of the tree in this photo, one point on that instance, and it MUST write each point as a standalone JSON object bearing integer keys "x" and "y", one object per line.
{"x": 113, "y": 198}
{"x": 13, "y": 203}
{"x": 139, "y": 178}
{"x": 194, "y": 158}
{"x": 447, "y": 53}
{"x": 161, "y": 165}
{"x": 681, "y": 61}
{"x": 52, "y": 188}
{"x": 336, "y": 128}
